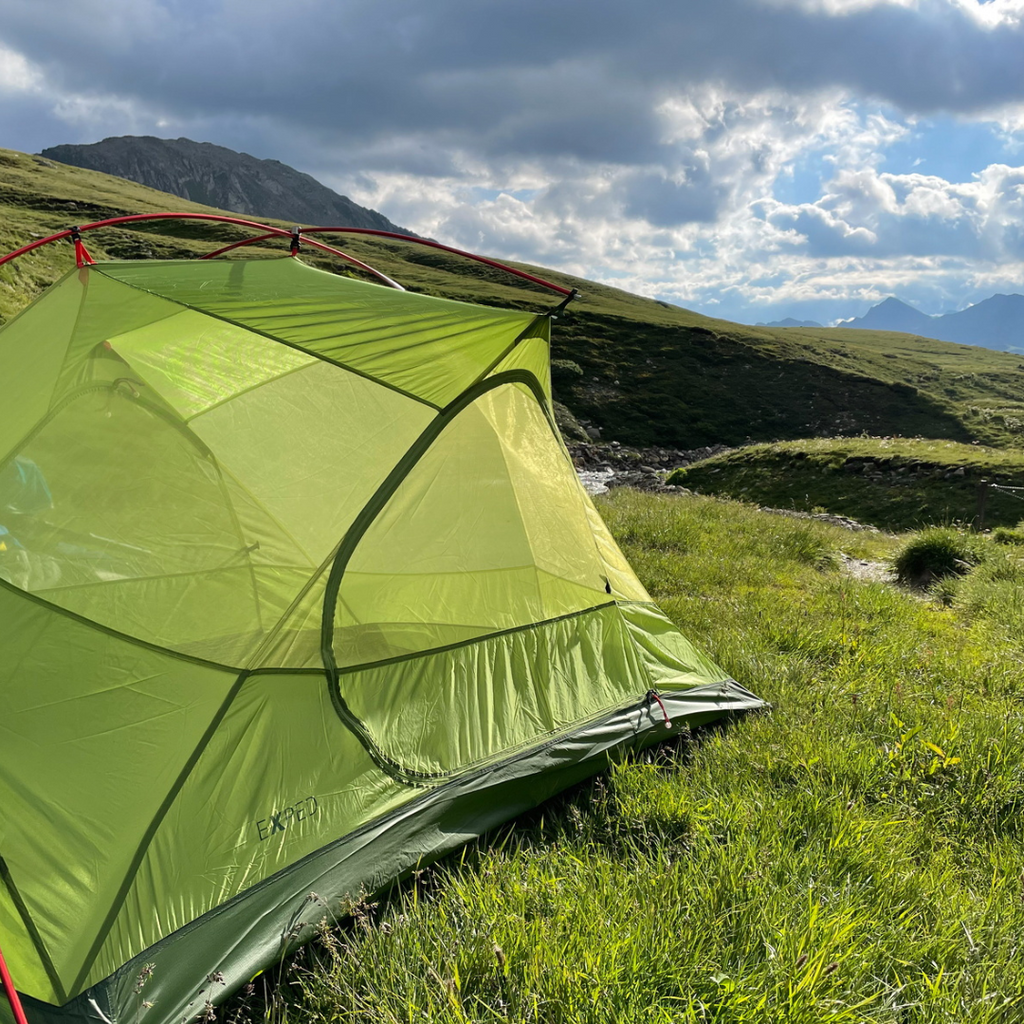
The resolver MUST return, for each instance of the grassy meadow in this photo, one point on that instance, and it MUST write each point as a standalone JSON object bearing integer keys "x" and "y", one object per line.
{"x": 854, "y": 855}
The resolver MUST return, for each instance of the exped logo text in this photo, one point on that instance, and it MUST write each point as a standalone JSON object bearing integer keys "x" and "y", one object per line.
{"x": 280, "y": 820}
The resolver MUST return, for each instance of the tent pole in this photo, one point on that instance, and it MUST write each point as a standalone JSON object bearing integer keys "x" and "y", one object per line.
{"x": 11, "y": 992}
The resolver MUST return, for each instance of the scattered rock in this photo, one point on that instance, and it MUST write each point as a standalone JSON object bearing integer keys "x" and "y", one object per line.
{"x": 869, "y": 572}
{"x": 822, "y": 517}
{"x": 613, "y": 464}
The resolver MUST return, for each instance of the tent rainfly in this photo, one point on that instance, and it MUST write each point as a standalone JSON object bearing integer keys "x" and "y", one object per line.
{"x": 298, "y": 590}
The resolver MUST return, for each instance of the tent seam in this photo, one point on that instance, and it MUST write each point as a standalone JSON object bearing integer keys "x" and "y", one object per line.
{"x": 30, "y": 926}
{"x": 482, "y": 638}
{"x": 523, "y": 335}
{"x": 117, "y": 634}
{"x": 84, "y": 281}
{"x": 252, "y": 387}
{"x": 151, "y": 830}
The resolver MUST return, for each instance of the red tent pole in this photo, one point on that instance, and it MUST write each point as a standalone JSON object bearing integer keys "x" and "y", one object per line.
{"x": 11, "y": 992}
{"x": 236, "y": 245}
{"x": 445, "y": 248}
{"x": 270, "y": 232}
{"x": 135, "y": 217}
{"x": 402, "y": 238}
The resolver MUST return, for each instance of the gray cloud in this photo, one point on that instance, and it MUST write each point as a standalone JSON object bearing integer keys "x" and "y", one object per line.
{"x": 647, "y": 136}
{"x": 573, "y": 78}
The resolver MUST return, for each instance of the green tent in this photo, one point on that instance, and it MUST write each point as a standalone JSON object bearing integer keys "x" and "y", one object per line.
{"x": 298, "y": 589}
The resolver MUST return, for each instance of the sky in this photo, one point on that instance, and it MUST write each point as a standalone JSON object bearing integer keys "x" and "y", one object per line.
{"x": 749, "y": 159}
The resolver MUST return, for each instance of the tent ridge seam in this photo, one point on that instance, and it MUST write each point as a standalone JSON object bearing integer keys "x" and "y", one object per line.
{"x": 117, "y": 634}
{"x": 520, "y": 337}
{"x": 83, "y": 280}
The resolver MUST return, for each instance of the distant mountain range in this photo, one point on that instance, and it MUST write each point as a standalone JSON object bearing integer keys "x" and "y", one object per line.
{"x": 996, "y": 322}
{"x": 790, "y": 322}
{"x": 217, "y": 176}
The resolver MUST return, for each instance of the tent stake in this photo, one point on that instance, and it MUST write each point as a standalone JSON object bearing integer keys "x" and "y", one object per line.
{"x": 11, "y": 991}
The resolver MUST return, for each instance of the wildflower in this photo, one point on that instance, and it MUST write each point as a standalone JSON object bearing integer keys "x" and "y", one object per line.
{"x": 144, "y": 975}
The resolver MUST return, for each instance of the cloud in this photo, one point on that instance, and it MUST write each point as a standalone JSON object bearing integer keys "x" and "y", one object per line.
{"x": 865, "y": 212}
{"x": 648, "y": 144}
{"x": 571, "y": 79}
{"x": 17, "y": 75}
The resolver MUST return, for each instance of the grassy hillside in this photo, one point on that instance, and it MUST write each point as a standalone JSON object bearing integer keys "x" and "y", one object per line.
{"x": 651, "y": 373}
{"x": 895, "y": 483}
{"x": 854, "y": 856}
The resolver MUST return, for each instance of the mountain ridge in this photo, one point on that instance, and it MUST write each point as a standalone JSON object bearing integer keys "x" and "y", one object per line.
{"x": 213, "y": 175}
{"x": 996, "y": 322}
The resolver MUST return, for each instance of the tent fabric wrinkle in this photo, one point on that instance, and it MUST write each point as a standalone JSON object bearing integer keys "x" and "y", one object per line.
{"x": 298, "y": 589}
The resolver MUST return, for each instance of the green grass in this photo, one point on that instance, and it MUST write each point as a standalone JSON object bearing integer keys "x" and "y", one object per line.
{"x": 890, "y": 482}
{"x": 651, "y": 373}
{"x": 936, "y": 554}
{"x": 853, "y": 856}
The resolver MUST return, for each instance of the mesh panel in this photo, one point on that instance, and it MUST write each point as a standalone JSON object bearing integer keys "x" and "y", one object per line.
{"x": 485, "y": 534}
{"x": 139, "y": 533}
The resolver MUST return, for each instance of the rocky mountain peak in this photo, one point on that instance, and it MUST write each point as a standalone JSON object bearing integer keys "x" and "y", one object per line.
{"x": 216, "y": 176}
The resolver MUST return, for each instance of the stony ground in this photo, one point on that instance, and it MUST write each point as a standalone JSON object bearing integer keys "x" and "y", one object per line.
{"x": 604, "y": 465}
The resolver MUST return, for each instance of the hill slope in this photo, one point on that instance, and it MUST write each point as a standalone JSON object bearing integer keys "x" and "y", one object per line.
{"x": 894, "y": 483}
{"x": 648, "y": 373}
{"x": 217, "y": 176}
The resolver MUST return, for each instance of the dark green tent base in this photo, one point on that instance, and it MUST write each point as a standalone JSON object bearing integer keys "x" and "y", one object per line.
{"x": 262, "y": 924}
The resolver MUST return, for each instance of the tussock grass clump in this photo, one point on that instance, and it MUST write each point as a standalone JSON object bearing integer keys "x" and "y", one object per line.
{"x": 992, "y": 595}
{"x": 937, "y": 553}
{"x": 1008, "y": 535}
